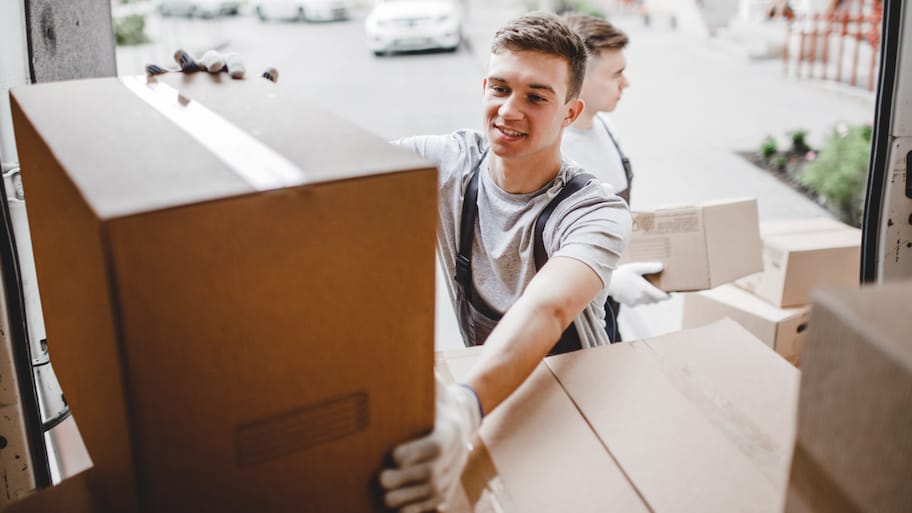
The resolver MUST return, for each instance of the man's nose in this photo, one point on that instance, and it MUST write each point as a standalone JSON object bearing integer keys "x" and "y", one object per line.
{"x": 508, "y": 109}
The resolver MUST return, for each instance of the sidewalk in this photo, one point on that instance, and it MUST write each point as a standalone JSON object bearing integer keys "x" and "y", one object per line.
{"x": 690, "y": 107}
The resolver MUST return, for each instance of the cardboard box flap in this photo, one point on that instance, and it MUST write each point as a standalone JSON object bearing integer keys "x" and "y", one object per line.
{"x": 734, "y": 250}
{"x": 737, "y": 371}
{"x": 686, "y": 444}
{"x": 854, "y": 442}
{"x": 125, "y": 155}
{"x": 547, "y": 458}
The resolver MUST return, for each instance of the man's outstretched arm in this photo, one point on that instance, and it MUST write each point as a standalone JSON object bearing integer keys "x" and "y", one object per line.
{"x": 558, "y": 293}
{"x": 427, "y": 468}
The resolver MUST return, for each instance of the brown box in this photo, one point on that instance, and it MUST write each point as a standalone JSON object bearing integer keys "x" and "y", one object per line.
{"x": 238, "y": 290}
{"x": 799, "y": 255}
{"x": 72, "y": 495}
{"x": 689, "y": 422}
{"x": 701, "y": 246}
{"x": 782, "y": 329}
{"x": 853, "y": 451}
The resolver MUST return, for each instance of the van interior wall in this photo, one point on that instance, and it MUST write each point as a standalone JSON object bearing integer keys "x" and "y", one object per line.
{"x": 70, "y": 40}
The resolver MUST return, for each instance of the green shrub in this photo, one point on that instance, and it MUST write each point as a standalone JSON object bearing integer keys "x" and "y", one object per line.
{"x": 768, "y": 148}
{"x": 799, "y": 141}
{"x": 839, "y": 173}
{"x": 130, "y": 30}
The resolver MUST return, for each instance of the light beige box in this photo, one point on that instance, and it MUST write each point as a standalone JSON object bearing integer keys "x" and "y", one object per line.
{"x": 701, "y": 246}
{"x": 694, "y": 421}
{"x": 853, "y": 451}
{"x": 802, "y": 254}
{"x": 782, "y": 329}
{"x": 238, "y": 290}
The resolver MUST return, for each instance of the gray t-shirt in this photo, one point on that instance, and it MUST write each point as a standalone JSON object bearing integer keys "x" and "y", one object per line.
{"x": 590, "y": 226}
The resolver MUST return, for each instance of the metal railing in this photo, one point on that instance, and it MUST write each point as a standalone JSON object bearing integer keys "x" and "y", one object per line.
{"x": 841, "y": 44}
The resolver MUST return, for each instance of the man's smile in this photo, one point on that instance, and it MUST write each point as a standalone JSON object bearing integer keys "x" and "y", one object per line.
{"x": 509, "y": 133}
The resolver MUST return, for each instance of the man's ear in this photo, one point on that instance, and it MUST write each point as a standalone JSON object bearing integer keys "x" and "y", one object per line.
{"x": 484, "y": 84}
{"x": 574, "y": 109}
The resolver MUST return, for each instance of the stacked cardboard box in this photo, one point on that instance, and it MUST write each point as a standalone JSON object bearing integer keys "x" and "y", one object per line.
{"x": 238, "y": 290}
{"x": 773, "y": 304}
{"x": 694, "y": 421}
{"x": 853, "y": 451}
{"x": 701, "y": 246}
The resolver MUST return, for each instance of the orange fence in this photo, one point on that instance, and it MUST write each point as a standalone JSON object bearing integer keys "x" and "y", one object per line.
{"x": 839, "y": 44}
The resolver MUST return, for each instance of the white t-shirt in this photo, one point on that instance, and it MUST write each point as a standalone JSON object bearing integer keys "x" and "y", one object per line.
{"x": 589, "y": 226}
{"x": 594, "y": 151}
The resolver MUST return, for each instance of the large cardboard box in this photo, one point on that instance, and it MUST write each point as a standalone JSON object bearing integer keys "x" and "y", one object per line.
{"x": 690, "y": 422}
{"x": 238, "y": 289}
{"x": 799, "y": 255}
{"x": 701, "y": 246}
{"x": 782, "y": 329}
{"x": 853, "y": 451}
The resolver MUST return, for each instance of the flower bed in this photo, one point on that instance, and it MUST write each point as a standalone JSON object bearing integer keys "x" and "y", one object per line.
{"x": 835, "y": 176}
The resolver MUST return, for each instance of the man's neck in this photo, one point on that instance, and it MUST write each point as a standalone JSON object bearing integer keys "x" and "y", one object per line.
{"x": 521, "y": 176}
{"x": 585, "y": 120}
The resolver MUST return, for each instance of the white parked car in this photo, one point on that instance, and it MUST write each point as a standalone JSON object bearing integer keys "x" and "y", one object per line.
{"x": 201, "y": 8}
{"x": 310, "y": 10}
{"x": 402, "y": 25}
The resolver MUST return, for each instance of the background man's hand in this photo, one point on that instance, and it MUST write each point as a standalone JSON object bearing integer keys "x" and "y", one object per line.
{"x": 427, "y": 468}
{"x": 629, "y": 288}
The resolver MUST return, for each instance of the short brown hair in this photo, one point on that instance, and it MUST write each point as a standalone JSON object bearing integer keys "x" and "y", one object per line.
{"x": 598, "y": 34}
{"x": 546, "y": 33}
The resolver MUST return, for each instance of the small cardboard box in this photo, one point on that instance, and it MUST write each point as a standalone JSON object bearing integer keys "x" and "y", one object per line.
{"x": 701, "y": 246}
{"x": 238, "y": 290}
{"x": 694, "y": 421}
{"x": 854, "y": 445}
{"x": 803, "y": 254}
{"x": 780, "y": 328}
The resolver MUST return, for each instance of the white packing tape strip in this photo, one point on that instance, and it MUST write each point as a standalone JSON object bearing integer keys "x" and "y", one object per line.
{"x": 252, "y": 160}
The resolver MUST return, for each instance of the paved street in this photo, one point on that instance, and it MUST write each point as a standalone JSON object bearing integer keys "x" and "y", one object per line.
{"x": 693, "y": 103}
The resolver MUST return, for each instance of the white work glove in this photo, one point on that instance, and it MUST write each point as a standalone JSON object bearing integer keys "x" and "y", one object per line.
{"x": 629, "y": 288}
{"x": 427, "y": 468}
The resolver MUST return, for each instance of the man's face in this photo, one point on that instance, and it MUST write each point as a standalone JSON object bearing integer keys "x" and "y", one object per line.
{"x": 605, "y": 81}
{"x": 525, "y": 103}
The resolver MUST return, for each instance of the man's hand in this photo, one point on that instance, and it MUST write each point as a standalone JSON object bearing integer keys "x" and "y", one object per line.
{"x": 629, "y": 288}
{"x": 427, "y": 468}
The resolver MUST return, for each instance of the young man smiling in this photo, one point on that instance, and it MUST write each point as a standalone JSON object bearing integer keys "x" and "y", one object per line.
{"x": 521, "y": 296}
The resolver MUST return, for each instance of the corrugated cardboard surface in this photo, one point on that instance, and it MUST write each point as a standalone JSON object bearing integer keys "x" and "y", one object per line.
{"x": 695, "y": 421}
{"x": 732, "y": 240}
{"x": 701, "y": 246}
{"x": 222, "y": 348}
{"x": 804, "y": 254}
{"x": 854, "y": 444}
{"x": 780, "y": 328}
{"x": 545, "y": 456}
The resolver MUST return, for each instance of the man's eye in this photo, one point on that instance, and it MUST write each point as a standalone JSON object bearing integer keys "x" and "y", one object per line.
{"x": 499, "y": 89}
{"x": 534, "y": 98}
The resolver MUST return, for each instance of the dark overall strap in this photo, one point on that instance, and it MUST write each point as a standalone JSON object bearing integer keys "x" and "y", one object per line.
{"x": 625, "y": 162}
{"x": 466, "y": 238}
{"x": 570, "y": 188}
